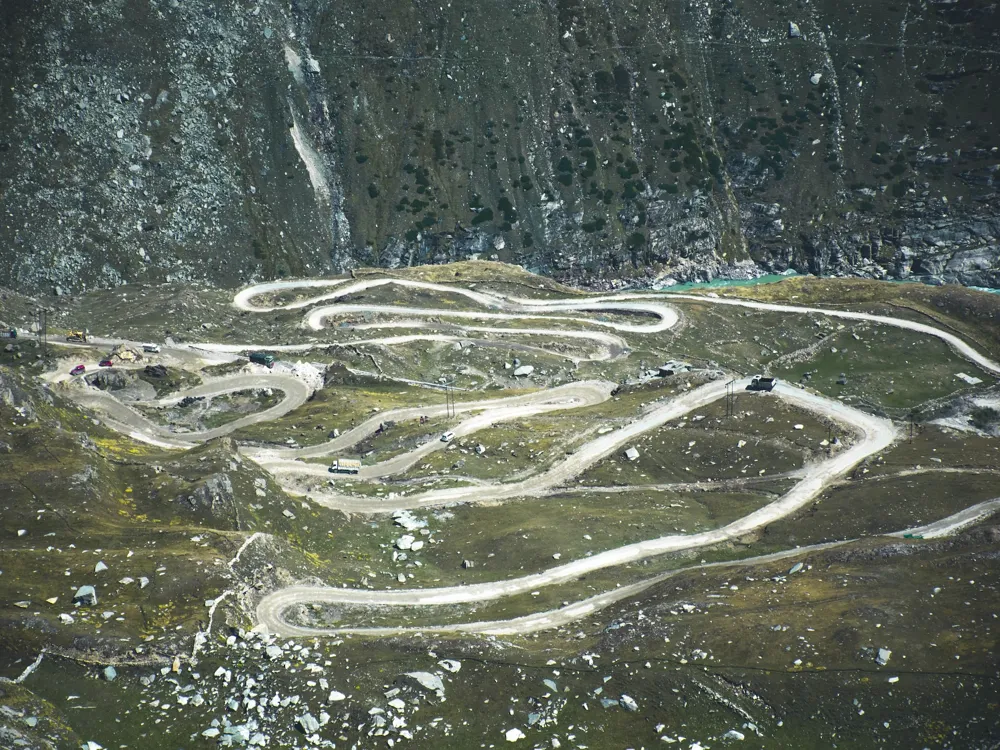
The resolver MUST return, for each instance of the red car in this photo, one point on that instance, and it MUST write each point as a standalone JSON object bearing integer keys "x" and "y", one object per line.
{"x": 105, "y": 363}
{"x": 79, "y": 369}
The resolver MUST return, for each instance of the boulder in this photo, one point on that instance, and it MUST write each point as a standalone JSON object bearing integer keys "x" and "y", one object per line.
{"x": 425, "y": 680}
{"x": 86, "y": 596}
{"x": 308, "y": 723}
{"x": 111, "y": 380}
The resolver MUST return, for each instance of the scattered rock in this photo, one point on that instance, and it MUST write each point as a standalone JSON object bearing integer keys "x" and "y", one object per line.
{"x": 882, "y": 658}
{"x": 794, "y": 32}
{"x": 513, "y": 735}
{"x": 308, "y": 723}
{"x": 86, "y": 596}
{"x": 100, "y": 567}
{"x": 523, "y": 371}
{"x": 628, "y": 703}
{"x": 110, "y": 673}
{"x": 427, "y": 681}
{"x": 408, "y": 521}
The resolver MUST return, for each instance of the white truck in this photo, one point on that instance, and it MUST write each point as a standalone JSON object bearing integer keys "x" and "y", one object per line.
{"x": 345, "y": 466}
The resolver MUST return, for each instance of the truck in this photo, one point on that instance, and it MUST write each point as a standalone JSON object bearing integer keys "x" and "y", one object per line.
{"x": 80, "y": 336}
{"x": 345, "y": 466}
{"x": 761, "y": 383}
{"x": 151, "y": 348}
{"x": 10, "y": 333}
{"x": 262, "y": 358}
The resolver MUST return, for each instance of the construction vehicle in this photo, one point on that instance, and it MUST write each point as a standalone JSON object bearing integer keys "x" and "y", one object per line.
{"x": 80, "y": 336}
{"x": 262, "y": 358}
{"x": 761, "y": 383}
{"x": 345, "y": 466}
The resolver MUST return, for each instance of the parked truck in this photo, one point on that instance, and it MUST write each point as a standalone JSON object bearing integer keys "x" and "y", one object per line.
{"x": 262, "y": 358}
{"x": 345, "y": 466}
{"x": 10, "y": 333}
{"x": 761, "y": 383}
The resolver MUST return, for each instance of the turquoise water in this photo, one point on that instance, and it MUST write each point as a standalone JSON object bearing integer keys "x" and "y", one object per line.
{"x": 773, "y": 278}
{"x": 770, "y": 278}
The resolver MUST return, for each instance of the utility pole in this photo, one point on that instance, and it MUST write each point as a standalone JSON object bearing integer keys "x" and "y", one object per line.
{"x": 914, "y": 415}
{"x": 42, "y": 320}
{"x": 731, "y": 398}
{"x": 449, "y": 398}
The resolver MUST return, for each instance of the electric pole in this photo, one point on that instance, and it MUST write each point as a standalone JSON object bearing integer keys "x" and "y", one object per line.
{"x": 731, "y": 398}
{"x": 42, "y": 325}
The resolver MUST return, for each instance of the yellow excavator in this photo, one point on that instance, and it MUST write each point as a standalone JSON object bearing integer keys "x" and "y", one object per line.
{"x": 80, "y": 336}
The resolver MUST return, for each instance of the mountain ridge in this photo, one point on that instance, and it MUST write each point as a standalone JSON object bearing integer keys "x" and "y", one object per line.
{"x": 593, "y": 142}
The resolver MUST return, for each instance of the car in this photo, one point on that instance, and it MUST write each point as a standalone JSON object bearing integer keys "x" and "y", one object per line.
{"x": 78, "y": 370}
{"x": 151, "y": 348}
{"x": 448, "y": 437}
{"x": 105, "y": 363}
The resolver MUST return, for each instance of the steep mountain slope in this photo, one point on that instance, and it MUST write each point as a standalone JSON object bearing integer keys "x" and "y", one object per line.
{"x": 167, "y": 140}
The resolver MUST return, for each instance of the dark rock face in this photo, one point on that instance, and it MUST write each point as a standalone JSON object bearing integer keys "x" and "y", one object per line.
{"x": 595, "y": 141}
{"x": 215, "y": 494}
{"x": 16, "y": 398}
{"x": 111, "y": 380}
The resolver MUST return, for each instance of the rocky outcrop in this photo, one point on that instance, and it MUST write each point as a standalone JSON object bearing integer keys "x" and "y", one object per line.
{"x": 214, "y": 494}
{"x": 597, "y": 142}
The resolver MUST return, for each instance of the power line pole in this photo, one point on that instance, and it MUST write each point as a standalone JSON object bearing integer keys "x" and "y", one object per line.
{"x": 731, "y": 398}
{"x": 42, "y": 324}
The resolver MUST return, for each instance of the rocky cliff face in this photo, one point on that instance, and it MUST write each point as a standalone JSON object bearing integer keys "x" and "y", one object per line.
{"x": 595, "y": 141}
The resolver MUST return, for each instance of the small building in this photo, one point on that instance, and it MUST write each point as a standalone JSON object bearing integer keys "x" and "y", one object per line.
{"x": 632, "y": 454}
{"x": 672, "y": 368}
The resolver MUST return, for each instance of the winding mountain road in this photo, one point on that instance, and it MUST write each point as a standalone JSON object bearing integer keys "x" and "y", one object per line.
{"x": 874, "y": 434}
